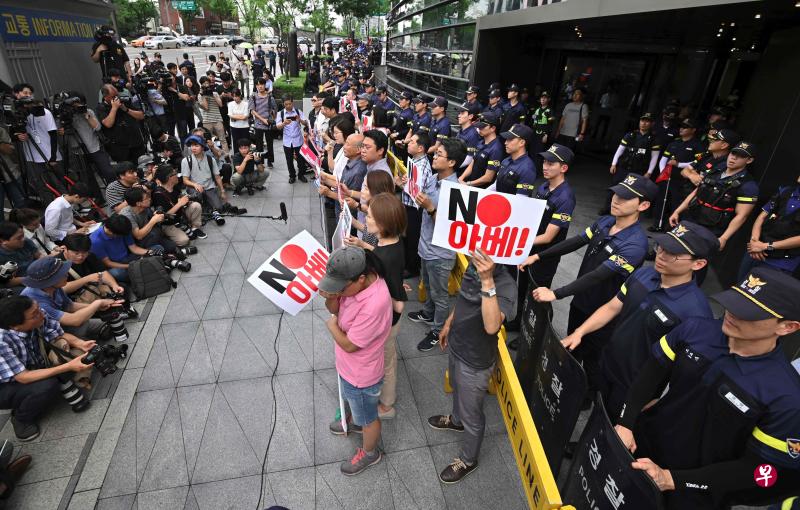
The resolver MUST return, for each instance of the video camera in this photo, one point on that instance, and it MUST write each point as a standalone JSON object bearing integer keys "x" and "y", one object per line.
{"x": 142, "y": 83}
{"x": 66, "y": 105}
{"x": 105, "y": 35}
{"x": 15, "y": 112}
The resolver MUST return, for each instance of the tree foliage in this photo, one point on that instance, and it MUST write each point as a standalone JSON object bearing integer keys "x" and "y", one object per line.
{"x": 251, "y": 14}
{"x": 358, "y": 8}
{"x": 282, "y": 15}
{"x": 221, "y": 8}
{"x": 134, "y": 15}
{"x": 320, "y": 19}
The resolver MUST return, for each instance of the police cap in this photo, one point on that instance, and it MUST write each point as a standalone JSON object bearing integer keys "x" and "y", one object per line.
{"x": 763, "y": 294}
{"x": 495, "y": 93}
{"x": 513, "y": 88}
{"x": 558, "y": 153}
{"x": 472, "y": 108}
{"x": 646, "y": 116}
{"x": 689, "y": 238}
{"x": 488, "y": 119}
{"x": 438, "y": 101}
{"x": 518, "y": 131}
{"x": 728, "y": 135}
{"x": 636, "y": 186}
{"x": 745, "y": 149}
{"x": 419, "y": 99}
{"x": 688, "y": 123}
{"x": 406, "y": 95}
{"x": 473, "y": 89}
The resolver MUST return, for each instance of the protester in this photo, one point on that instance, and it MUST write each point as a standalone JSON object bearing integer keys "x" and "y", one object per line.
{"x": 417, "y": 148}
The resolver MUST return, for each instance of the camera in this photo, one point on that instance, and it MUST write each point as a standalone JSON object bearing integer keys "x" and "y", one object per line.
{"x": 169, "y": 219}
{"x": 8, "y": 270}
{"x": 105, "y": 35}
{"x": 114, "y": 327}
{"x": 256, "y": 154}
{"x": 66, "y": 105}
{"x": 15, "y": 112}
{"x": 105, "y": 358}
{"x": 173, "y": 262}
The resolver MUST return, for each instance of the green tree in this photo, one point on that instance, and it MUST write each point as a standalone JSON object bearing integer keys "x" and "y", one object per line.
{"x": 320, "y": 19}
{"x": 222, "y": 8}
{"x": 134, "y": 15}
{"x": 251, "y": 15}
{"x": 282, "y": 15}
{"x": 357, "y": 8}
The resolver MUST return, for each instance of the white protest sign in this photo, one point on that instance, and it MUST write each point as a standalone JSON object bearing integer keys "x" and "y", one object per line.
{"x": 343, "y": 227}
{"x": 502, "y": 225}
{"x": 339, "y": 162}
{"x": 289, "y": 277}
{"x": 413, "y": 184}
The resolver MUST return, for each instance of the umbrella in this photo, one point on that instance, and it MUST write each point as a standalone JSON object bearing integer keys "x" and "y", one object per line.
{"x": 245, "y": 45}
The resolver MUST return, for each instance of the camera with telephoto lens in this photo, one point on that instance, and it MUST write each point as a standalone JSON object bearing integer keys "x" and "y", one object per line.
{"x": 116, "y": 327}
{"x": 105, "y": 357}
{"x": 7, "y": 271}
{"x": 256, "y": 154}
{"x": 66, "y": 105}
{"x": 15, "y": 112}
{"x": 173, "y": 262}
{"x": 169, "y": 219}
{"x": 105, "y": 35}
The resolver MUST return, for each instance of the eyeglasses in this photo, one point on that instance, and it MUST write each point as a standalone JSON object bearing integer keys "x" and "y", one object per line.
{"x": 670, "y": 257}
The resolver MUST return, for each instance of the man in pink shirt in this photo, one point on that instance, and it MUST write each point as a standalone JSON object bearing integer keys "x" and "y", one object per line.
{"x": 357, "y": 296}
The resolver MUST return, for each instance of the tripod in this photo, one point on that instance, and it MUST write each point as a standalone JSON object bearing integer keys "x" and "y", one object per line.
{"x": 85, "y": 170}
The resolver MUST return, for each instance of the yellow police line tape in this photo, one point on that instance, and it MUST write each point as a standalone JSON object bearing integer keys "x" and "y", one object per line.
{"x": 538, "y": 480}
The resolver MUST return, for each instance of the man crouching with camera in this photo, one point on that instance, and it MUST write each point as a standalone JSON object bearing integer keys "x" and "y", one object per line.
{"x": 167, "y": 197}
{"x": 29, "y": 380}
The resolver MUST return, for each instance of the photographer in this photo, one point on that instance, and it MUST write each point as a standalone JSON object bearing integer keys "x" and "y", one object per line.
{"x": 148, "y": 228}
{"x": 156, "y": 114}
{"x": 211, "y": 104}
{"x": 28, "y": 386}
{"x": 113, "y": 245}
{"x": 291, "y": 122}
{"x": 120, "y": 122}
{"x": 184, "y": 108}
{"x": 201, "y": 176}
{"x": 108, "y": 52}
{"x": 115, "y": 192}
{"x": 263, "y": 107}
{"x": 10, "y": 184}
{"x": 247, "y": 173}
{"x": 85, "y": 136}
{"x": 39, "y": 138}
{"x": 225, "y": 91}
{"x": 16, "y": 254}
{"x": 167, "y": 196}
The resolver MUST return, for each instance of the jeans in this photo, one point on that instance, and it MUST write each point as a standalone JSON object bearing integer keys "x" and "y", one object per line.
{"x": 435, "y": 276}
{"x": 15, "y": 195}
{"x": 363, "y": 402}
{"x": 469, "y": 389}
{"x": 29, "y": 401}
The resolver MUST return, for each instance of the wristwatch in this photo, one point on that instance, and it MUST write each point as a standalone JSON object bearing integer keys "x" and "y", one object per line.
{"x": 770, "y": 247}
{"x": 489, "y": 293}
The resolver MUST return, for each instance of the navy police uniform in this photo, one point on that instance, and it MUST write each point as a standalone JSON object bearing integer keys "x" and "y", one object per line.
{"x": 683, "y": 152}
{"x": 714, "y": 205}
{"x": 636, "y": 155}
{"x": 440, "y": 129}
{"x": 421, "y": 123}
{"x": 514, "y": 114}
{"x": 517, "y": 175}
{"x": 782, "y": 222}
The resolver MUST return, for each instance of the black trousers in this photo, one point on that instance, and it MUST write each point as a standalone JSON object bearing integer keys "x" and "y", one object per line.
{"x": 236, "y": 135}
{"x": 29, "y": 401}
{"x": 261, "y": 135}
{"x": 588, "y": 352}
{"x": 291, "y": 153}
{"x": 411, "y": 240}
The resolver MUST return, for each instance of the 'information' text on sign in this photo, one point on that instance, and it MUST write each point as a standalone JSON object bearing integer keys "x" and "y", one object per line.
{"x": 502, "y": 225}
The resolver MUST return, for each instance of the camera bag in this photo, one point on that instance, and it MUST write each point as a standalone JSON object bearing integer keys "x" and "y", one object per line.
{"x": 149, "y": 277}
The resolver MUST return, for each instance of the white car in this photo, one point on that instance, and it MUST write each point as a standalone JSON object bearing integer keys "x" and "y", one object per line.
{"x": 269, "y": 43}
{"x": 214, "y": 40}
{"x": 162, "y": 41}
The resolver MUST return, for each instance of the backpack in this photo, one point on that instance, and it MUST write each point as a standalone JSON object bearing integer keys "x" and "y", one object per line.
{"x": 149, "y": 277}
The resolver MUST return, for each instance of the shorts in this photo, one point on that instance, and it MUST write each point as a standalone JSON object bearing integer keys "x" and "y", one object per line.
{"x": 363, "y": 402}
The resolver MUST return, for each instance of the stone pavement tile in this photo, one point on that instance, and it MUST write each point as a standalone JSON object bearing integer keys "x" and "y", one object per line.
{"x": 224, "y": 450}
{"x": 62, "y": 422}
{"x": 427, "y": 381}
{"x": 492, "y": 485}
{"x": 262, "y": 331}
{"x": 194, "y": 403}
{"x": 217, "y": 333}
{"x": 230, "y": 494}
{"x": 243, "y": 360}
{"x": 157, "y": 373}
{"x": 84, "y": 500}
{"x": 178, "y": 339}
{"x": 301, "y": 329}
{"x": 323, "y": 342}
{"x": 414, "y": 480}
{"x": 198, "y": 288}
{"x": 405, "y": 431}
{"x": 120, "y": 478}
{"x": 141, "y": 351}
{"x": 197, "y": 369}
{"x": 262, "y": 250}
{"x": 39, "y": 495}
{"x": 411, "y": 333}
{"x": 212, "y": 255}
{"x": 166, "y": 499}
{"x": 166, "y": 467}
{"x": 291, "y": 489}
{"x": 52, "y": 459}
{"x": 151, "y": 406}
{"x": 220, "y": 305}
{"x": 181, "y": 308}
{"x": 368, "y": 490}
{"x": 200, "y": 265}
{"x": 252, "y": 302}
{"x": 298, "y": 390}
{"x": 117, "y": 503}
{"x": 236, "y": 258}
{"x": 191, "y": 501}
{"x": 329, "y": 447}
{"x": 268, "y": 230}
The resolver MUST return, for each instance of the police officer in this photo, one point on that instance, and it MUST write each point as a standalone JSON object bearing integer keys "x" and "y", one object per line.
{"x": 483, "y": 169}
{"x": 651, "y": 302}
{"x": 732, "y": 403}
{"x": 467, "y": 117}
{"x": 517, "y": 172}
{"x": 403, "y": 120}
{"x": 382, "y": 98}
{"x": 472, "y": 97}
{"x": 637, "y": 153}
{"x": 542, "y": 120}
{"x": 775, "y": 237}
{"x": 494, "y": 105}
{"x": 421, "y": 120}
{"x": 677, "y": 155}
{"x": 716, "y": 158}
{"x": 440, "y": 124}
{"x": 617, "y": 246}
{"x": 515, "y": 112}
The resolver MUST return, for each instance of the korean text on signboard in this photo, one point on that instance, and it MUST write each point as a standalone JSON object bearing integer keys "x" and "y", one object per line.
{"x": 29, "y": 25}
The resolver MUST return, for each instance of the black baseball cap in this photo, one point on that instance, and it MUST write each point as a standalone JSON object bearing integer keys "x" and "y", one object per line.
{"x": 419, "y": 99}
{"x": 438, "y": 101}
{"x": 689, "y": 238}
{"x": 382, "y": 88}
{"x": 472, "y": 108}
{"x": 513, "y": 88}
{"x": 728, "y": 135}
{"x": 636, "y": 186}
{"x": 763, "y": 294}
{"x": 558, "y": 153}
{"x": 746, "y": 149}
{"x": 488, "y": 119}
{"x": 473, "y": 89}
{"x": 688, "y": 123}
{"x": 495, "y": 93}
{"x": 495, "y": 85}
{"x": 646, "y": 116}
{"x": 518, "y": 131}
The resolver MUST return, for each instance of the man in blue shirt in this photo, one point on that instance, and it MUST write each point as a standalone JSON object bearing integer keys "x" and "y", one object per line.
{"x": 468, "y": 133}
{"x": 517, "y": 172}
{"x": 440, "y": 124}
{"x": 114, "y": 246}
{"x": 617, "y": 246}
{"x": 733, "y": 403}
{"x": 491, "y": 151}
{"x": 651, "y": 303}
{"x": 437, "y": 262}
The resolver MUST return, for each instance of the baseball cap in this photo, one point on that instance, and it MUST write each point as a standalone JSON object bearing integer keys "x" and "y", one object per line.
{"x": 558, "y": 153}
{"x": 746, "y": 149}
{"x": 763, "y": 294}
{"x": 728, "y": 135}
{"x": 518, "y": 131}
{"x": 46, "y": 272}
{"x": 495, "y": 85}
{"x": 438, "y": 101}
{"x": 194, "y": 139}
{"x": 636, "y": 186}
{"x": 382, "y": 88}
{"x": 473, "y": 89}
{"x": 406, "y": 95}
{"x": 495, "y": 93}
{"x": 689, "y": 238}
{"x": 646, "y": 116}
{"x": 344, "y": 265}
{"x": 472, "y": 108}
{"x": 144, "y": 160}
{"x": 488, "y": 119}
{"x": 419, "y": 99}
{"x": 513, "y": 88}
{"x": 688, "y": 123}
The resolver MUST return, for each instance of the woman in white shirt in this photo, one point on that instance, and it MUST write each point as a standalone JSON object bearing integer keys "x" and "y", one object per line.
{"x": 239, "y": 113}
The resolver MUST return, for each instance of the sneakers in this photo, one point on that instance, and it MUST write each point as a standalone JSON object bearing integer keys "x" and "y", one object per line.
{"x": 420, "y": 317}
{"x": 444, "y": 422}
{"x": 360, "y": 461}
{"x": 302, "y": 178}
{"x": 456, "y": 471}
{"x": 429, "y": 342}
{"x": 337, "y": 430}
{"x": 24, "y": 431}
{"x": 199, "y": 234}
{"x": 237, "y": 192}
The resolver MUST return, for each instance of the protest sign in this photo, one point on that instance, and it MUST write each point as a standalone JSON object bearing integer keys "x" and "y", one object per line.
{"x": 342, "y": 104}
{"x": 289, "y": 277}
{"x": 413, "y": 185}
{"x": 366, "y": 123}
{"x": 311, "y": 158}
{"x": 339, "y": 162}
{"x": 601, "y": 476}
{"x": 354, "y": 111}
{"x": 502, "y": 225}
{"x": 343, "y": 227}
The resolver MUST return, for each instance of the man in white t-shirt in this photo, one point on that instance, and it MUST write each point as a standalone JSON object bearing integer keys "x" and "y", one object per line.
{"x": 574, "y": 120}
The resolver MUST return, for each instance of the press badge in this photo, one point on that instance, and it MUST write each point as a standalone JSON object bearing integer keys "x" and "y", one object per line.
{"x": 738, "y": 404}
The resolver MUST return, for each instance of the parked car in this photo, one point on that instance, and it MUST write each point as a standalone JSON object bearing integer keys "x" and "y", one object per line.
{"x": 162, "y": 41}
{"x": 334, "y": 41}
{"x": 214, "y": 40}
{"x": 139, "y": 42}
{"x": 192, "y": 40}
{"x": 235, "y": 40}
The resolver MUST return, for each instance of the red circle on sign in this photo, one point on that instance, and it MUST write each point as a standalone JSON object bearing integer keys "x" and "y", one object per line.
{"x": 494, "y": 210}
{"x": 765, "y": 475}
{"x": 293, "y": 256}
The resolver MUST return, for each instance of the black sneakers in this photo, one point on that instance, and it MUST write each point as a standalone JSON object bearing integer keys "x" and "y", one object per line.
{"x": 444, "y": 422}
{"x": 291, "y": 180}
{"x": 302, "y": 178}
{"x": 420, "y": 317}
{"x": 24, "y": 431}
{"x": 456, "y": 471}
{"x": 199, "y": 234}
{"x": 219, "y": 220}
{"x": 429, "y": 342}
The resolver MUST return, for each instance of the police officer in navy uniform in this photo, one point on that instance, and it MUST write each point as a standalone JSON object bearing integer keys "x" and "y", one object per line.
{"x": 652, "y": 302}
{"x": 382, "y": 98}
{"x": 467, "y": 118}
{"x": 494, "y": 105}
{"x": 403, "y": 117}
{"x": 668, "y": 131}
{"x": 440, "y": 124}
{"x": 715, "y": 158}
{"x": 517, "y": 172}
{"x": 775, "y": 236}
{"x": 637, "y": 153}
{"x": 491, "y": 152}
{"x": 515, "y": 112}
{"x": 542, "y": 120}
{"x": 421, "y": 120}
{"x": 617, "y": 246}
{"x": 733, "y": 402}
{"x": 472, "y": 97}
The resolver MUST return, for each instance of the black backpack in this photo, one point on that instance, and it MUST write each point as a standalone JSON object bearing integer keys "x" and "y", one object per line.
{"x": 149, "y": 277}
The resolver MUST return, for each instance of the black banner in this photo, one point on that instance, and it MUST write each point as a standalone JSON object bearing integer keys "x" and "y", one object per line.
{"x": 601, "y": 476}
{"x": 533, "y": 325}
